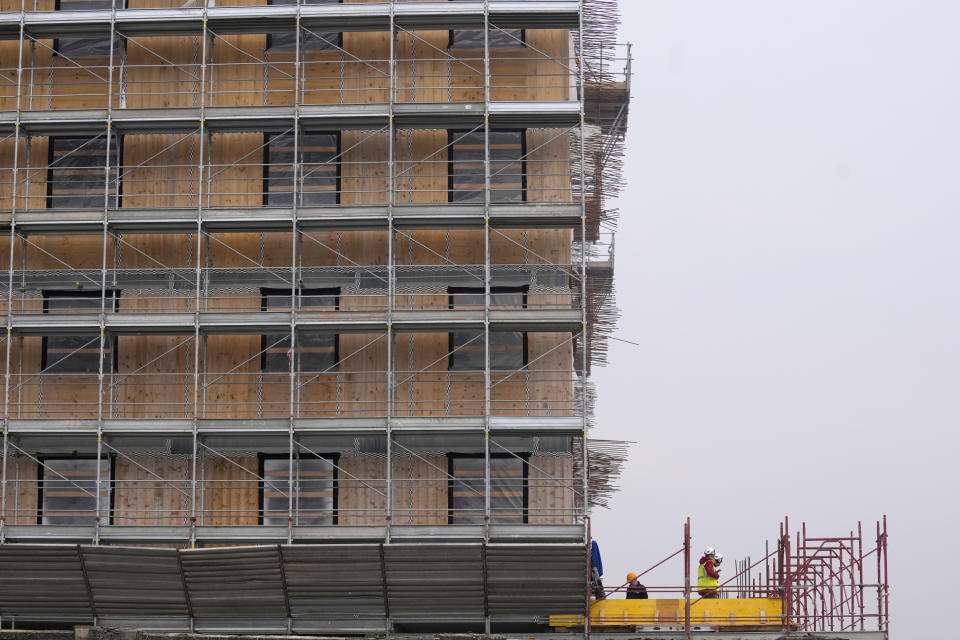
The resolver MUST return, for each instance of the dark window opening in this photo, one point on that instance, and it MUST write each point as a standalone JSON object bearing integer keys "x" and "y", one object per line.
{"x": 314, "y": 490}
{"x": 473, "y": 38}
{"x": 87, "y": 46}
{"x": 75, "y": 172}
{"x": 499, "y": 39}
{"x": 315, "y": 41}
{"x": 68, "y": 491}
{"x": 317, "y": 351}
{"x": 507, "y": 166}
{"x": 509, "y": 498}
{"x": 508, "y": 349}
{"x": 319, "y": 179}
{"x": 77, "y": 353}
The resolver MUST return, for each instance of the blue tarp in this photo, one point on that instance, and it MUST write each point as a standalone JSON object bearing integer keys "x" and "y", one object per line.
{"x": 595, "y": 560}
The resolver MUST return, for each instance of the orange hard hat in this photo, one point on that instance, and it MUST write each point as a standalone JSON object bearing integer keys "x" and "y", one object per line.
{"x": 631, "y": 577}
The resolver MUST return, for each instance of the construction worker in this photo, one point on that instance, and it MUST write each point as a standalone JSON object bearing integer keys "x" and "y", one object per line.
{"x": 596, "y": 572}
{"x": 635, "y": 590}
{"x": 708, "y": 575}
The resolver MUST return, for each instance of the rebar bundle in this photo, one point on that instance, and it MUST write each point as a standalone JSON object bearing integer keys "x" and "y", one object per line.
{"x": 606, "y": 460}
{"x": 601, "y": 19}
{"x": 606, "y": 95}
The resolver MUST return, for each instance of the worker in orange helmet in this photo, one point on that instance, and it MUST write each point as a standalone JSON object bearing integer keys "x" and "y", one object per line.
{"x": 708, "y": 575}
{"x": 635, "y": 590}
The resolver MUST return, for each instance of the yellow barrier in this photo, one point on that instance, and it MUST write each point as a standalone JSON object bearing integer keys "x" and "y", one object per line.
{"x": 723, "y": 612}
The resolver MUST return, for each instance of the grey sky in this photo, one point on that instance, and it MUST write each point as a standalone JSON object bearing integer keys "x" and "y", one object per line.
{"x": 787, "y": 261}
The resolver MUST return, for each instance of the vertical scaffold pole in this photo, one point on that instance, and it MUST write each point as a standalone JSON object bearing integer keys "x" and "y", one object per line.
{"x": 589, "y": 585}
{"x": 886, "y": 585}
{"x": 103, "y": 281}
{"x": 292, "y": 359}
{"x": 686, "y": 578}
{"x": 486, "y": 273}
{"x": 391, "y": 283}
{"x": 197, "y": 292}
{"x": 788, "y": 574}
{"x": 13, "y": 235}
{"x": 583, "y": 273}
{"x": 859, "y": 594}
{"x": 486, "y": 292}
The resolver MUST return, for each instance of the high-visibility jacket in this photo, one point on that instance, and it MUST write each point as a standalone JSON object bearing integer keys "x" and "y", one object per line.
{"x": 705, "y": 580}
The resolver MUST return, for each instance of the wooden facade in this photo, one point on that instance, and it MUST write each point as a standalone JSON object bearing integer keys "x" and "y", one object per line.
{"x": 154, "y": 490}
{"x": 152, "y": 376}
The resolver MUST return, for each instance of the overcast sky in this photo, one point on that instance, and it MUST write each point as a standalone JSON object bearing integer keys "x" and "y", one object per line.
{"x": 787, "y": 261}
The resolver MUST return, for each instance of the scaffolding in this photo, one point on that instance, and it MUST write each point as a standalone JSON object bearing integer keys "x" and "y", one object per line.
{"x": 170, "y": 90}
{"x": 804, "y": 585}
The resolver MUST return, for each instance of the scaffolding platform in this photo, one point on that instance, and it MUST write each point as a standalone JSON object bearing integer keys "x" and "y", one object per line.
{"x": 256, "y": 322}
{"x": 512, "y": 14}
{"x": 311, "y": 118}
{"x": 528, "y": 215}
{"x": 273, "y": 534}
{"x": 252, "y": 428}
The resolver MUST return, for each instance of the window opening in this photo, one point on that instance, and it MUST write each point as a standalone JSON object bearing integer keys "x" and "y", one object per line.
{"x": 498, "y": 39}
{"x": 76, "y": 353}
{"x": 86, "y": 46}
{"x": 317, "y": 351}
{"x": 314, "y": 488}
{"x": 319, "y": 170}
{"x": 509, "y": 499}
{"x": 68, "y": 490}
{"x": 75, "y": 172}
{"x": 287, "y": 40}
{"x": 508, "y": 349}
{"x": 507, "y": 166}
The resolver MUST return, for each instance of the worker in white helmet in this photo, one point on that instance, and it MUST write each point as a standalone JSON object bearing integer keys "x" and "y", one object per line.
{"x": 708, "y": 575}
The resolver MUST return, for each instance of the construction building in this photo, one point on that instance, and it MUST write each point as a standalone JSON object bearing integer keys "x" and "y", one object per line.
{"x": 302, "y": 301}
{"x": 301, "y": 306}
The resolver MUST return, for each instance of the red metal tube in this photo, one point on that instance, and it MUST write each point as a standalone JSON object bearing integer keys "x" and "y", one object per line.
{"x": 686, "y": 578}
{"x": 886, "y": 583}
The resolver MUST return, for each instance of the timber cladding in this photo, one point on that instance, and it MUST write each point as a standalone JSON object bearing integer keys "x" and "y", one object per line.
{"x": 358, "y": 383}
{"x": 156, "y": 376}
{"x": 155, "y": 490}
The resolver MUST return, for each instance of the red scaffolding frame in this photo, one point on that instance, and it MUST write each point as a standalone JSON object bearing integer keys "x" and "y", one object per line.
{"x": 826, "y": 583}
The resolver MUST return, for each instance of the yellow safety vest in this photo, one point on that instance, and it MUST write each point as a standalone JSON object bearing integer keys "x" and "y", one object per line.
{"x": 705, "y": 580}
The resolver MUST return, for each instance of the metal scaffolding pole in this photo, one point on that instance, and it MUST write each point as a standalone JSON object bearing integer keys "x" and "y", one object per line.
{"x": 103, "y": 283}
{"x": 391, "y": 283}
{"x": 9, "y": 337}
{"x": 486, "y": 274}
{"x": 583, "y": 273}
{"x": 292, "y": 359}
{"x": 197, "y": 291}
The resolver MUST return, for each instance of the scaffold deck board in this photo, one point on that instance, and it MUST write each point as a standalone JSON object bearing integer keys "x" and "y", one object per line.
{"x": 529, "y": 534}
{"x": 414, "y": 115}
{"x": 252, "y": 428}
{"x": 511, "y": 14}
{"x": 254, "y": 322}
{"x": 335, "y": 217}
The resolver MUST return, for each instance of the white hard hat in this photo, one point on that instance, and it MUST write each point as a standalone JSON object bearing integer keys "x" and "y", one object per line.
{"x": 718, "y": 558}
{"x": 709, "y": 551}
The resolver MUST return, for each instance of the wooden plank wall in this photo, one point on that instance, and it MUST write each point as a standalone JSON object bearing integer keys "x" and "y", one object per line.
{"x": 551, "y": 490}
{"x": 231, "y": 495}
{"x": 422, "y": 247}
{"x": 361, "y": 498}
{"x": 419, "y": 490}
{"x": 140, "y": 498}
{"x": 168, "y": 178}
{"x": 22, "y": 490}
